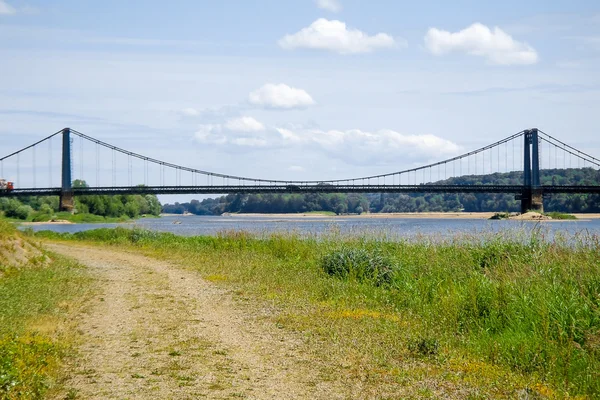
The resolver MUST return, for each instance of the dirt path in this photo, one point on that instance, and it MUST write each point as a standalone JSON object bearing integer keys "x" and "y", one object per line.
{"x": 158, "y": 331}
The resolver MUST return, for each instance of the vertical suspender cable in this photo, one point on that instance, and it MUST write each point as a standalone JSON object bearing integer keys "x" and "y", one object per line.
{"x": 521, "y": 154}
{"x": 33, "y": 156}
{"x": 468, "y": 165}
{"x": 81, "y": 158}
{"x": 483, "y": 171}
{"x": 129, "y": 170}
{"x": 114, "y": 168}
{"x": 50, "y": 162}
{"x": 506, "y": 156}
{"x": 97, "y": 165}
{"x": 549, "y": 156}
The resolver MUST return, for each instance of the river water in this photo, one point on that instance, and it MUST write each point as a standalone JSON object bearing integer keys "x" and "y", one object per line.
{"x": 311, "y": 225}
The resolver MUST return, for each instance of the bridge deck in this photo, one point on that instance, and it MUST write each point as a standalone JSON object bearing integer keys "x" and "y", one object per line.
{"x": 508, "y": 189}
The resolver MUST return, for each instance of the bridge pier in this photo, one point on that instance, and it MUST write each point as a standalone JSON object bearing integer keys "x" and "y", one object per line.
{"x": 67, "y": 201}
{"x": 532, "y": 198}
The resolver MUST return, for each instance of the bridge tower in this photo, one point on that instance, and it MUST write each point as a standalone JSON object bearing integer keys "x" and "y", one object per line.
{"x": 532, "y": 198}
{"x": 66, "y": 190}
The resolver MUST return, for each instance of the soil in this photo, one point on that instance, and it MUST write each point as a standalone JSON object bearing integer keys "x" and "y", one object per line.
{"x": 52, "y": 221}
{"x": 532, "y": 216}
{"x": 17, "y": 253}
{"x": 157, "y": 331}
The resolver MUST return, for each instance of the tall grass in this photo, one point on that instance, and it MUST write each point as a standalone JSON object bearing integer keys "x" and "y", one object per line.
{"x": 502, "y": 302}
{"x": 34, "y": 304}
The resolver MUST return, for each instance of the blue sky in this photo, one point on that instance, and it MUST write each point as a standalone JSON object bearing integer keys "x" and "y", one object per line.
{"x": 299, "y": 89}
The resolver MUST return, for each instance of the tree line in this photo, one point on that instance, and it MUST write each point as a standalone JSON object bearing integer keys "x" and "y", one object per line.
{"x": 43, "y": 208}
{"x": 397, "y": 202}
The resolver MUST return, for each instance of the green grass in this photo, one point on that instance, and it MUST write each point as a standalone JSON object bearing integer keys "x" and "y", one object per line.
{"x": 500, "y": 215}
{"x": 559, "y": 215}
{"x": 501, "y": 313}
{"x": 75, "y": 218}
{"x": 35, "y": 301}
{"x": 84, "y": 218}
{"x": 328, "y": 213}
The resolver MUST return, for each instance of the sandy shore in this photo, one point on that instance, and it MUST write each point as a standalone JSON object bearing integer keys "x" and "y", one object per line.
{"x": 587, "y": 216}
{"x": 425, "y": 215}
{"x": 57, "y": 222}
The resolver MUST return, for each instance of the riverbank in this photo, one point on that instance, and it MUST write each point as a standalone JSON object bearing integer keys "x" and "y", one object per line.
{"x": 64, "y": 218}
{"x": 424, "y": 215}
{"x": 308, "y": 216}
{"x": 498, "y": 316}
{"x": 53, "y": 222}
{"x": 40, "y": 295}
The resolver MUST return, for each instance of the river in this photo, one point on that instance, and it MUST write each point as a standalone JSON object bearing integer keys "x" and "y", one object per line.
{"x": 316, "y": 225}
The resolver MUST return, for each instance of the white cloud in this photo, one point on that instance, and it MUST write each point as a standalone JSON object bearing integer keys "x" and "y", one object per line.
{"x": 250, "y": 142}
{"x": 280, "y": 96}
{"x": 335, "y": 36}
{"x": 329, "y": 5}
{"x": 244, "y": 124}
{"x": 479, "y": 40}
{"x": 190, "y": 112}
{"x": 296, "y": 168}
{"x": 288, "y": 135}
{"x": 210, "y": 134}
{"x": 354, "y": 147}
{"x": 6, "y": 9}
{"x": 243, "y": 132}
{"x": 381, "y": 147}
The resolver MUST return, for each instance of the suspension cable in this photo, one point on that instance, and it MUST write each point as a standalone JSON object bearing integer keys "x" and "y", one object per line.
{"x": 213, "y": 174}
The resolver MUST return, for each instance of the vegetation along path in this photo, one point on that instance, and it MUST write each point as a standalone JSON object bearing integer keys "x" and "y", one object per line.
{"x": 234, "y": 316}
{"x": 157, "y": 331}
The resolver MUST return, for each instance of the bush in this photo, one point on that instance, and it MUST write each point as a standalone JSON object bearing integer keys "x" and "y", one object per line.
{"x": 424, "y": 346}
{"x": 358, "y": 264}
{"x": 40, "y": 217}
{"x": 20, "y": 212}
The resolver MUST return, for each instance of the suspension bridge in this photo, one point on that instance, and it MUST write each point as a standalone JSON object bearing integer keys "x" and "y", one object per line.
{"x": 37, "y": 170}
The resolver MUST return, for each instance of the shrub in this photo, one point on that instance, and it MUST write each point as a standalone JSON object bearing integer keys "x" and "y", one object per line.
{"x": 20, "y": 212}
{"x": 359, "y": 264}
{"x": 424, "y": 346}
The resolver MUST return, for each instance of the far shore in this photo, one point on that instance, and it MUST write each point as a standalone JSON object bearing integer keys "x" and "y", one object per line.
{"x": 434, "y": 215}
{"x": 422, "y": 215}
{"x": 56, "y": 222}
